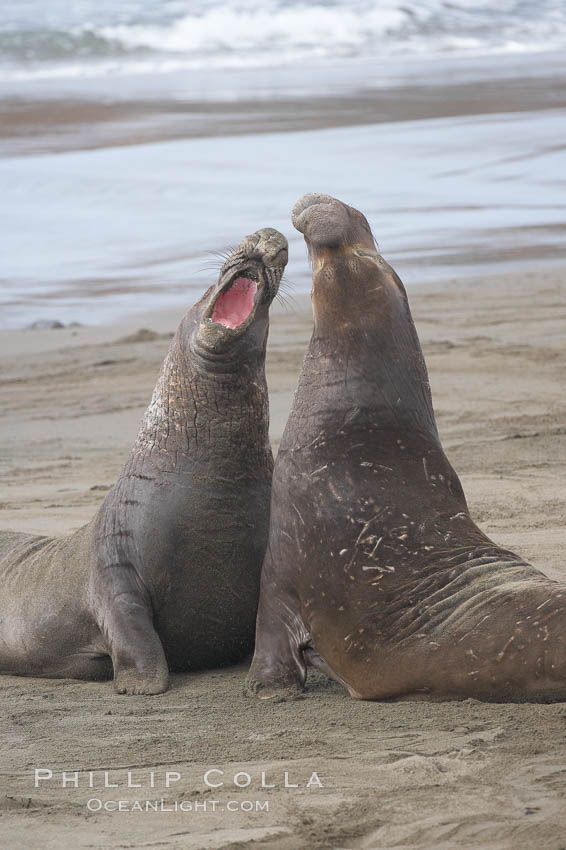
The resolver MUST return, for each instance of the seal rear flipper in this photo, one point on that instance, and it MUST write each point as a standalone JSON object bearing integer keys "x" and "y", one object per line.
{"x": 123, "y": 610}
{"x": 278, "y": 667}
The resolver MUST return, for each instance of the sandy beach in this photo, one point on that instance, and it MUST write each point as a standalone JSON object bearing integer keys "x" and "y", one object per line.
{"x": 409, "y": 774}
{"x": 137, "y": 139}
{"x": 56, "y": 125}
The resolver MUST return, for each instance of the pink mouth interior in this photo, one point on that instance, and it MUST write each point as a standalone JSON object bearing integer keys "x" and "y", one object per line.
{"x": 235, "y": 304}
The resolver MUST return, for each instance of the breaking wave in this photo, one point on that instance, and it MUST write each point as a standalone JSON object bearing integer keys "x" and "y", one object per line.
{"x": 94, "y": 36}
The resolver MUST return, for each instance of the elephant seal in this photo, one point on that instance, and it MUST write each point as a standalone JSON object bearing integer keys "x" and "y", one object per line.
{"x": 166, "y": 576}
{"x": 374, "y": 572}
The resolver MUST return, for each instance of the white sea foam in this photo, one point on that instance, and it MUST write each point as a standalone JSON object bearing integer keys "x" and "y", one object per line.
{"x": 136, "y": 36}
{"x": 230, "y": 30}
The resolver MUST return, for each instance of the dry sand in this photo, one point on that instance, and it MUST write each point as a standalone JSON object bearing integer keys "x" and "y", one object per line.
{"x": 409, "y": 774}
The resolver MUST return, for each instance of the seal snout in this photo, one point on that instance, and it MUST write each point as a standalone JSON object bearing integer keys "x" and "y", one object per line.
{"x": 250, "y": 276}
{"x": 322, "y": 219}
{"x": 267, "y": 245}
{"x": 269, "y": 248}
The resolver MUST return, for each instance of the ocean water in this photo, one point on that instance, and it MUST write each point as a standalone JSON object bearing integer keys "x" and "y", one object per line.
{"x": 43, "y": 39}
{"x": 91, "y": 236}
{"x": 94, "y": 235}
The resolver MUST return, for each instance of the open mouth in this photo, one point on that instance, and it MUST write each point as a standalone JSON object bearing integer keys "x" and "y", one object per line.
{"x": 235, "y": 304}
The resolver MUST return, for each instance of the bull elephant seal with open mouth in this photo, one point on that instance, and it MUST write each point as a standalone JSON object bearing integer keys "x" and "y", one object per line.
{"x": 375, "y": 573}
{"x": 166, "y": 576}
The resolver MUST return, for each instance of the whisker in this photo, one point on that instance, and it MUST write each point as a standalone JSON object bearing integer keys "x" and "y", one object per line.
{"x": 219, "y": 255}
{"x": 287, "y": 302}
{"x": 286, "y": 284}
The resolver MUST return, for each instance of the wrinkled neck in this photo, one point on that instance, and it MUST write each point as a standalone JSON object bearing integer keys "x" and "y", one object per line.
{"x": 208, "y": 412}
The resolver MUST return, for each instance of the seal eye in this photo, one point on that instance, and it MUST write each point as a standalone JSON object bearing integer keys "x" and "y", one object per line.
{"x": 235, "y": 304}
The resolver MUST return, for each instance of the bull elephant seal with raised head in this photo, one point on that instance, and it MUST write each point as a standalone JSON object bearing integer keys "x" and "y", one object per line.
{"x": 375, "y": 573}
{"x": 166, "y": 576}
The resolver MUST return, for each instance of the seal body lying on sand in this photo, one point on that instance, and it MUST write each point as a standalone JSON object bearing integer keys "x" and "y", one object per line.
{"x": 167, "y": 573}
{"x": 375, "y": 572}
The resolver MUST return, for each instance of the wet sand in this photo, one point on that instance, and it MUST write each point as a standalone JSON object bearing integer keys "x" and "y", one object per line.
{"x": 54, "y": 125}
{"x": 409, "y": 774}
{"x": 67, "y": 114}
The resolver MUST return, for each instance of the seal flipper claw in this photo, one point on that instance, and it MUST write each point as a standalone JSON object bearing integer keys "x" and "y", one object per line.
{"x": 278, "y": 667}
{"x": 271, "y": 678}
{"x": 276, "y": 692}
{"x": 133, "y": 683}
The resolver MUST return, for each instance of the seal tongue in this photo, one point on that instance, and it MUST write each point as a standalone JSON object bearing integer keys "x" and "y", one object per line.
{"x": 235, "y": 304}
